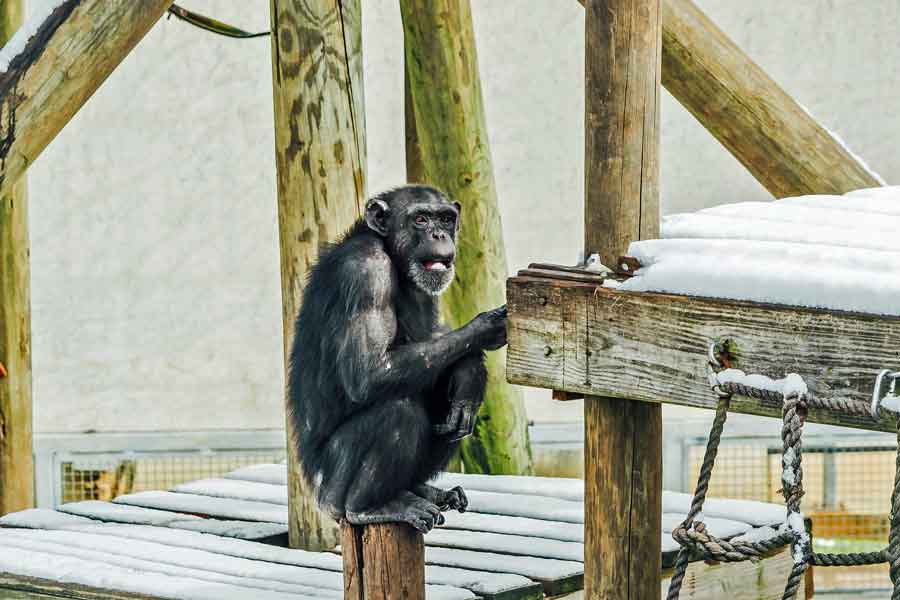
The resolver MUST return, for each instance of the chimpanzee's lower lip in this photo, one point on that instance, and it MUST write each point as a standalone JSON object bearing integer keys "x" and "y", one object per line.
{"x": 436, "y": 265}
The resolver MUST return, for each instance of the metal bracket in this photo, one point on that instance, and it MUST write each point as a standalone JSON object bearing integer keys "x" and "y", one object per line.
{"x": 885, "y": 385}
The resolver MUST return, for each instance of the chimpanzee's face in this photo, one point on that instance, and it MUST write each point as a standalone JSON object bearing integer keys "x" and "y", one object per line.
{"x": 420, "y": 233}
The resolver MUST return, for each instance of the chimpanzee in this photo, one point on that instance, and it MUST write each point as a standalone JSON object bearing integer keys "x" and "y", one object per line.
{"x": 379, "y": 392}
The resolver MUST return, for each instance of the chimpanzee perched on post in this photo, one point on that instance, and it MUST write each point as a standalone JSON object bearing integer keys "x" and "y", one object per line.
{"x": 380, "y": 393}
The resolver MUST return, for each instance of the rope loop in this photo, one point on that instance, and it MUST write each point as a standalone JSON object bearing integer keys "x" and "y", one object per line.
{"x": 692, "y": 534}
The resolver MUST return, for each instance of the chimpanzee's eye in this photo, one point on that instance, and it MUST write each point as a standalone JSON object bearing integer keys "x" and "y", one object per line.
{"x": 421, "y": 221}
{"x": 448, "y": 221}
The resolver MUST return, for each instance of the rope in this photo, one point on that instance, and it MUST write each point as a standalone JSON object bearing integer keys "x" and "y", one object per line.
{"x": 212, "y": 25}
{"x": 692, "y": 534}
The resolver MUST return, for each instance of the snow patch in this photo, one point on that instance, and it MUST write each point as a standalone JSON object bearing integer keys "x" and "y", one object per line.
{"x": 16, "y": 44}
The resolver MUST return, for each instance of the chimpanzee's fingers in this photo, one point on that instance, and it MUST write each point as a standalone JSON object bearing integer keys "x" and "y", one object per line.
{"x": 466, "y": 423}
{"x": 450, "y": 424}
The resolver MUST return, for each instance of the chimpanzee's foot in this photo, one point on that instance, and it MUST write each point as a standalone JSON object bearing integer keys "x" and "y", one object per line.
{"x": 406, "y": 508}
{"x": 452, "y": 499}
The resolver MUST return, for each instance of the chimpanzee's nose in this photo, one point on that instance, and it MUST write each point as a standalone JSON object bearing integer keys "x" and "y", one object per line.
{"x": 438, "y": 234}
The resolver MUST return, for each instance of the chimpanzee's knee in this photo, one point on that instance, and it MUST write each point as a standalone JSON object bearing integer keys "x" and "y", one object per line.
{"x": 375, "y": 456}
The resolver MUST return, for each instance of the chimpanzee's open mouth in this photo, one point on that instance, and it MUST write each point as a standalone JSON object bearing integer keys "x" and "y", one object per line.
{"x": 437, "y": 264}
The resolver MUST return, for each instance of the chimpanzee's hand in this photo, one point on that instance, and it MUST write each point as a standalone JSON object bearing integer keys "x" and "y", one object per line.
{"x": 460, "y": 421}
{"x": 491, "y": 328}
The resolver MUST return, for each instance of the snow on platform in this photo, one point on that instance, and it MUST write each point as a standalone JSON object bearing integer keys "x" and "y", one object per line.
{"x": 832, "y": 252}
{"x": 522, "y": 538}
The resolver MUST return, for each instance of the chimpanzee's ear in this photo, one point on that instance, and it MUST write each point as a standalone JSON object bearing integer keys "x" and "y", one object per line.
{"x": 459, "y": 212}
{"x": 377, "y": 217}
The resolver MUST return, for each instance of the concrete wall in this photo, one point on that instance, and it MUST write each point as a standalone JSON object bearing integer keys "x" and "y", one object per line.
{"x": 154, "y": 242}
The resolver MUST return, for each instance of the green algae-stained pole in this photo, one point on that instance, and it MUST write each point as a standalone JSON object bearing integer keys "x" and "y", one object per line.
{"x": 447, "y": 146}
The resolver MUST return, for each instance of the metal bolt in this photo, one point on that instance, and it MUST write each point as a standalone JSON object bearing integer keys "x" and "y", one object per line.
{"x": 548, "y": 350}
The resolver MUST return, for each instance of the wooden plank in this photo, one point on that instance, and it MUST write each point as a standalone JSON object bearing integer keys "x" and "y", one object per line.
{"x": 506, "y": 543}
{"x": 71, "y": 54}
{"x": 556, "y": 576}
{"x": 49, "y": 588}
{"x": 762, "y": 580}
{"x": 623, "y": 497}
{"x": 226, "y": 508}
{"x": 16, "y": 460}
{"x": 771, "y": 134}
{"x": 320, "y": 158}
{"x": 652, "y": 347}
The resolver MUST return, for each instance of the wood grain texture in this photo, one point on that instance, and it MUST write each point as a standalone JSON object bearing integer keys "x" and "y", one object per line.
{"x": 320, "y": 158}
{"x": 16, "y": 463}
{"x": 772, "y": 135}
{"x": 448, "y": 147}
{"x": 652, "y": 347}
{"x": 383, "y": 562}
{"x": 621, "y": 170}
{"x": 57, "y": 589}
{"x": 623, "y": 439}
{"x": 62, "y": 65}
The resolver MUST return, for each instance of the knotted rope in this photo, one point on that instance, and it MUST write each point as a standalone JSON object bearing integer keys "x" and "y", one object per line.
{"x": 692, "y": 534}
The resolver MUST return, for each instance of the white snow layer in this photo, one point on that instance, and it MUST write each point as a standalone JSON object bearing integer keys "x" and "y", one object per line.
{"x": 19, "y": 40}
{"x": 834, "y": 252}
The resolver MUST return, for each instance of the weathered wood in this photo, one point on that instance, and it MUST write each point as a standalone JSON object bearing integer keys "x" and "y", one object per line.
{"x": 772, "y": 135}
{"x": 761, "y": 580}
{"x": 652, "y": 347}
{"x": 16, "y": 462}
{"x": 62, "y": 65}
{"x": 447, "y": 146}
{"x": 320, "y": 157}
{"x": 58, "y": 589}
{"x": 621, "y": 170}
{"x": 383, "y": 562}
{"x": 623, "y": 439}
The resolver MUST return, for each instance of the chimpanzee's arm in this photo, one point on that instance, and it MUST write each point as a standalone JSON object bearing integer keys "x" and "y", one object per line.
{"x": 370, "y": 368}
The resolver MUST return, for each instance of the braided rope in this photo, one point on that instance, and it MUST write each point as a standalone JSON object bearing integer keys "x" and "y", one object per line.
{"x": 893, "y": 549}
{"x": 692, "y": 534}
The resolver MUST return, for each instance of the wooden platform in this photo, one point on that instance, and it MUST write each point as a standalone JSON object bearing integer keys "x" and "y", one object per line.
{"x": 225, "y": 538}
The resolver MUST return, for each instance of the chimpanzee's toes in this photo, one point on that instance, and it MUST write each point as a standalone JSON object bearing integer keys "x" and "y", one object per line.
{"x": 418, "y": 517}
{"x": 456, "y": 499}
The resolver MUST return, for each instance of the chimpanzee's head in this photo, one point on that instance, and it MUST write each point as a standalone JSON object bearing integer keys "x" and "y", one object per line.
{"x": 419, "y": 225}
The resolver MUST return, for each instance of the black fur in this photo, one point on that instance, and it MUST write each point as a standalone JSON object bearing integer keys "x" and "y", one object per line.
{"x": 379, "y": 391}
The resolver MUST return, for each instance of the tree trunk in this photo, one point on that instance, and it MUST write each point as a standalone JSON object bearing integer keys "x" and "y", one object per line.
{"x": 320, "y": 156}
{"x": 447, "y": 146}
{"x": 16, "y": 463}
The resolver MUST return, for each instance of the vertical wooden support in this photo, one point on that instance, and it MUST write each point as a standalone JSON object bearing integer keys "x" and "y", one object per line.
{"x": 772, "y": 135}
{"x": 320, "y": 157}
{"x": 623, "y": 438}
{"x": 16, "y": 462}
{"x": 383, "y": 562}
{"x": 447, "y": 146}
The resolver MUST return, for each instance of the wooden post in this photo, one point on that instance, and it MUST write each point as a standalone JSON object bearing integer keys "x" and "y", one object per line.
{"x": 383, "y": 562}
{"x": 447, "y": 146}
{"x": 70, "y": 55}
{"x": 320, "y": 156}
{"x": 772, "y": 135}
{"x": 16, "y": 462}
{"x": 623, "y": 438}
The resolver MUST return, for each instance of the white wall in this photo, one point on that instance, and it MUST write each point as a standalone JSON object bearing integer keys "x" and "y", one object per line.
{"x": 154, "y": 242}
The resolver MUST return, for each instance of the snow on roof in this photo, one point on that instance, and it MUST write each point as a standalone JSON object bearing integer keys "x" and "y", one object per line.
{"x": 833, "y": 252}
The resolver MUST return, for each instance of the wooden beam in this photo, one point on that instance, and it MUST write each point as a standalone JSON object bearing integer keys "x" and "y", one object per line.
{"x": 652, "y": 347}
{"x": 447, "y": 146}
{"x": 16, "y": 462}
{"x": 383, "y": 562}
{"x": 69, "y": 56}
{"x": 771, "y": 134}
{"x": 623, "y": 438}
{"x": 320, "y": 157}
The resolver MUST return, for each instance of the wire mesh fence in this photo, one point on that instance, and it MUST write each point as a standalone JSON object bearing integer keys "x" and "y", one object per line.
{"x": 104, "y": 476}
{"x": 848, "y": 487}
